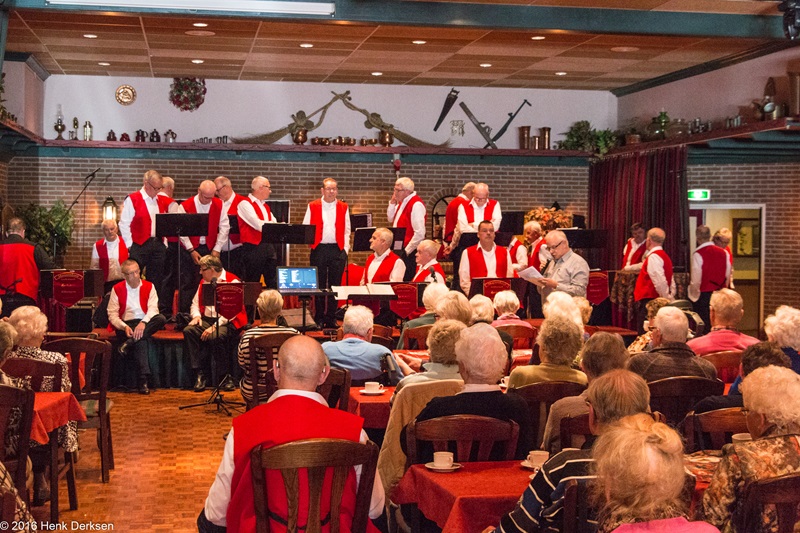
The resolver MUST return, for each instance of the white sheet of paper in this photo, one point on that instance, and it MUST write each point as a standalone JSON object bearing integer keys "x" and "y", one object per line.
{"x": 530, "y": 274}
{"x": 344, "y": 292}
{"x": 378, "y": 288}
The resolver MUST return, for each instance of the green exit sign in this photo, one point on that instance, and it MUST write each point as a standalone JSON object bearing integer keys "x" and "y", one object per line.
{"x": 700, "y": 195}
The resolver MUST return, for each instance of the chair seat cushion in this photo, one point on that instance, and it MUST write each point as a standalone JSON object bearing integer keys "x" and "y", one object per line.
{"x": 90, "y": 407}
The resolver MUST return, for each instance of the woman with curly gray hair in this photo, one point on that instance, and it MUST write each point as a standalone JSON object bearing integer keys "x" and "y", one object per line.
{"x": 783, "y": 328}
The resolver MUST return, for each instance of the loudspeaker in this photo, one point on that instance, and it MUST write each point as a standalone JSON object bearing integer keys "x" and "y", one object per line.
{"x": 79, "y": 318}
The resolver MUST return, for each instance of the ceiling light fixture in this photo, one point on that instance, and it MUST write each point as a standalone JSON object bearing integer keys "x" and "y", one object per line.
{"x": 419, "y": 42}
{"x": 90, "y": 35}
{"x": 625, "y": 49}
{"x": 306, "y": 45}
{"x": 248, "y": 6}
{"x": 561, "y": 73}
{"x": 104, "y": 64}
{"x": 538, "y": 38}
{"x": 200, "y": 25}
{"x": 200, "y": 33}
{"x": 198, "y": 61}
{"x": 377, "y": 73}
{"x": 485, "y": 65}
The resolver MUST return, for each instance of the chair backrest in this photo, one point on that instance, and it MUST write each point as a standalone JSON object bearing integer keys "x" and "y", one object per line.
{"x": 263, "y": 350}
{"x": 336, "y": 389}
{"x": 95, "y": 366}
{"x": 675, "y": 397}
{"x": 16, "y": 416}
{"x": 316, "y": 456}
{"x": 382, "y": 331}
{"x": 419, "y": 335}
{"x": 716, "y": 424}
{"x": 523, "y": 337}
{"x": 465, "y": 431}
{"x": 8, "y": 506}
{"x": 727, "y": 364}
{"x": 41, "y": 373}
{"x": 572, "y": 426}
{"x": 576, "y": 507}
{"x": 783, "y": 492}
{"x": 386, "y": 342}
{"x": 541, "y": 396}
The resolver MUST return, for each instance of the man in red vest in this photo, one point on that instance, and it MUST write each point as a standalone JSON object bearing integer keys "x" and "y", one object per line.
{"x": 633, "y": 253}
{"x": 294, "y": 412}
{"x": 232, "y": 250}
{"x": 211, "y": 243}
{"x": 537, "y": 258}
{"x": 655, "y": 278}
{"x": 485, "y": 259}
{"x": 711, "y": 268}
{"x": 170, "y": 281}
{"x": 331, "y": 245}
{"x": 108, "y": 254}
{"x": 428, "y": 268}
{"x": 258, "y": 258}
{"x": 407, "y": 210}
{"x": 133, "y": 311}
{"x": 470, "y": 215}
{"x": 451, "y": 214}
{"x": 21, "y": 262}
{"x": 208, "y": 327}
{"x": 722, "y": 238}
{"x": 137, "y": 226}
{"x": 383, "y": 265}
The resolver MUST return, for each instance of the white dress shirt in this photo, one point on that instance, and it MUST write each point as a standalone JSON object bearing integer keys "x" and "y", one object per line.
{"x": 210, "y": 310}
{"x": 222, "y": 231}
{"x": 655, "y": 268}
{"x": 128, "y": 212}
{"x": 635, "y": 267}
{"x": 114, "y": 269}
{"x": 398, "y": 270}
{"x": 133, "y": 308}
{"x": 226, "y": 207}
{"x": 329, "y": 223}
{"x": 429, "y": 278}
{"x": 520, "y": 261}
{"x": 247, "y": 213}
{"x": 219, "y": 495}
{"x": 417, "y": 220}
{"x": 462, "y": 226}
{"x": 697, "y": 271}
{"x": 491, "y": 267}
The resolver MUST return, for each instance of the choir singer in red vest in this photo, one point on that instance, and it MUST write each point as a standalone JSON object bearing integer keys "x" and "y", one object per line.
{"x": 258, "y": 258}
{"x": 383, "y": 265}
{"x": 655, "y": 278}
{"x": 133, "y": 311}
{"x": 633, "y": 253}
{"x": 108, "y": 254}
{"x": 232, "y": 250}
{"x": 711, "y": 269}
{"x": 537, "y": 258}
{"x": 331, "y": 246}
{"x": 485, "y": 259}
{"x": 470, "y": 215}
{"x": 294, "y": 412}
{"x": 428, "y": 268}
{"x": 20, "y": 263}
{"x": 407, "y": 210}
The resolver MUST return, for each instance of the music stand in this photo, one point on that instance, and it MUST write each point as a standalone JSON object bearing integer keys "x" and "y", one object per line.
{"x": 512, "y": 222}
{"x": 181, "y": 225}
{"x": 233, "y": 220}
{"x": 360, "y": 220}
{"x": 518, "y": 285}
{"x": 503, "y": 238}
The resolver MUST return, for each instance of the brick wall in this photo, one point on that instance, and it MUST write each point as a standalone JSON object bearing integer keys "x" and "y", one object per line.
{"x": 365, "y": 186}
{"x": 778, "y": 187}
{"x": 3, "y": 183}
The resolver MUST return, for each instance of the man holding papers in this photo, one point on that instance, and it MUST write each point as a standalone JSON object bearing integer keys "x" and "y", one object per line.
{"x": 566, "y": 271}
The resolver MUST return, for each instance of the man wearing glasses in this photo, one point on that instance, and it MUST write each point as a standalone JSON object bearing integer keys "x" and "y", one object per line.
{"x": 566, "y": 272}
{"x": 258, "y": 258}
{"x": 232, "y": 250}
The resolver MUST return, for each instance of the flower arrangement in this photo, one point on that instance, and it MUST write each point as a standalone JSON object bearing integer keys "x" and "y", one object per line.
{"x": 550, "y": 218}
{"x": 187, "y": 94}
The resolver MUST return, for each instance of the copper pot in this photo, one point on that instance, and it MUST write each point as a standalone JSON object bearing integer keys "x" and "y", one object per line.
{"x": 324, "y": 141}
{"x": 300, "y": 136}
{"x": 349, "y": 142}
{"x": 364, "y": 141}
{"x": 386, "y": 138}
{"x": 315, "y": 141}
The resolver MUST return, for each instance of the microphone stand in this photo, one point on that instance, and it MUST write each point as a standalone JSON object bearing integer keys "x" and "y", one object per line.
{"x": 90, "y": 177}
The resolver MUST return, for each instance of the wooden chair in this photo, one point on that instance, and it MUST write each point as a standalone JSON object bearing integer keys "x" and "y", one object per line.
{"x": 541, "y": 396}
{"x": 8, "y": 506}
{"x": 675, "y": 397}
{"x": 42, "y": 375}
{"x": 382, "y": 331}
{"x": 92, "y": 396}
{"x": 727, "y": 364}
{"x": 419, "y": 335}
{"x": 336, "y": 389}
{"x": 263, "y": 350}
{"x": 465, "y": 431}
{"x": 576, "y": 507}
{"x": 716, "y": 424}
{"x": 16, "y": 416}
{"x": 523, "y": 337}
{"x": 572, "y": 426}
{"x": 316, "y": 456}
{"x": 781, "y": 492}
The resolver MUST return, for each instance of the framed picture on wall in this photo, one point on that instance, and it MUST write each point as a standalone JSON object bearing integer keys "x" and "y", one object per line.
{"x": 746, "y": 237}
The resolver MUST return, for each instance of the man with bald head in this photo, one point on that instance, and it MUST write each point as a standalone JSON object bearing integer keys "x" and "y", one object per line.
{"x": 655, "y": 278}
{"x": 383, "y": 265}
{"x": 711, "y": 269}
{"x": 258, "y": 258}
{"x": 232, "y": 249}
{"x": 566, "y": 271}
{"x": 294, "y": 412}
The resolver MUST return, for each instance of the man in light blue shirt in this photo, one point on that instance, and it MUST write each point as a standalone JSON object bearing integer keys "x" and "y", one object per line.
{"x": 356, "y": 353}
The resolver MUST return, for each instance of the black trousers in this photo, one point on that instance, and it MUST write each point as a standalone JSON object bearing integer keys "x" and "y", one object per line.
{"x": 141, "y": 348}
{"x": 411, "y": 266}
{"x": 456, "y": 257}
{"x": 190, "y": 277}
{"x": 330, "y": 261}
{"x": 641, "y": 314}
{"x": 200, "y": 351}
{"x": 260, "y": 260}
{"x": 171, "y": 276}
{"x": 232, "y": 261}
{"x": 534, "y": 300}
{"x": 703, "y": 308}
{"x": 151, "y": 256}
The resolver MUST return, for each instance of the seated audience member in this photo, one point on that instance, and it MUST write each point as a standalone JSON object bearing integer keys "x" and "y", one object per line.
{"x": 670, "y": 356}
{"x": 754, "y": 356}
{"x": 772, "y": 400}
{"x": 614, "y": 395}
{"x": 783, "y": 328}
{"x": 21, "y": 516}
{"x": 559, "y": 342}
{"x": 269, "y": 305}
{"x": 8, "y": 338}
{"x": 133, "y": 312}
{"x": 294, "y": 412}
{"x": 441, "y": 342}
{"x": 356, "y": 353}
{"x": 585, "y": 307}
{"x": 726, "y": 311}
{"x": 506, "y": 304}
{"x": 483, "y": 312}
{"x": 430, "y": 297}
{"x": 602, "y": 353}
{"x": 643, "y": 343}
{"x": 640, "y": 479}
{"x": 561, "y": 304}
{"x": 481, "y": 362}
{"x": 208, "y": 327}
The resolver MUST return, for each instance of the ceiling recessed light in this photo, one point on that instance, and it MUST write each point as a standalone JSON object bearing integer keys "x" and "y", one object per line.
{"x": 419, "y": 42}
{"x": 90, "y": 35}
{"x": 625, "y": 49}
{"x": 306, "y": 45}
{"x": 561, "y": 73}
{"x": 197, "y": 61}
{"x": 538, "y": 38}
{"x": 104, "y": 64}
{"x": 200, "y": 25}
{"x": 200, "y": 33}
{"x": 377, "y": 73}
{"x": 485, "y": 65}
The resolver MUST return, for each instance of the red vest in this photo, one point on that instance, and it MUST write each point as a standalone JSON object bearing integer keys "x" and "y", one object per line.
{"x": 403, "y": 219}
{"x": 533, "y": 259}
{"x": 715, "y": 266}
{"x": 18, "y": 262}
{"x": 644, "y": 285}
{"x": 637, "y": 255}
{"x": 214, "y": 213}
{"x": 315, "y": 208}
{"x": 287, "y": 419}
{"x": 250, "y": 234}
{"x": 241, "y": 317}
{"x": 422, "y": 275}
{"x": 477, "y": 265}
{"x": 121, "y": 289}
{"x": 487, "y": 211}
{"x": 512, "y": 249}
{"x": 141, "y": 223}
{"x": 102, "y": 253}
{"x": 384, "y": 271}
{"x": 451, "y": 217}
{"x": 233, "y": 209}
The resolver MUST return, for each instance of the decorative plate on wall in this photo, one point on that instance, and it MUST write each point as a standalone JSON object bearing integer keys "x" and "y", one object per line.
{"x": 125, "y": 94}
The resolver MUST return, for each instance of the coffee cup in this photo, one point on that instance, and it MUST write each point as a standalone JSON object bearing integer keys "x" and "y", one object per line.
{"x": 372, "y": 386}
{"x": 504, "y": 381}
{"x": 738, "y": 438}
{"x": 536, "y": 458}
{"x": 442, "y": 459}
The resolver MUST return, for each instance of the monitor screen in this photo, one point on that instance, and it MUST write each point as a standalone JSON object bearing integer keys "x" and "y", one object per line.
{"x": 297, "y": 278}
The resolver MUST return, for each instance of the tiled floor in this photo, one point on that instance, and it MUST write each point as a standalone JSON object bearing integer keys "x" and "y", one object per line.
{"x": 165, "y": 458}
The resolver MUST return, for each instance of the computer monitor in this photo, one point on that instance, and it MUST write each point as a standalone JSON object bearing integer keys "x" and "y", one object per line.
{"x": 297, "y": 279}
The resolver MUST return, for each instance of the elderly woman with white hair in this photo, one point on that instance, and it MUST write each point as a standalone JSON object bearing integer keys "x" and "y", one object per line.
{"x": 772, "y": 405}
{"x": 506, "y": 304}
{"x": 559, "y": 342}
{"x": 783, "y": 328}
{"x": 481, "y": 362}
{"x": 483, "y": 312}
{"x": 441, "y": 342}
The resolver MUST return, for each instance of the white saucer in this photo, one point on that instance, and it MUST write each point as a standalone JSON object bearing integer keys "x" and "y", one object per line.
{"x": 529, "y": 466}
{"x": 431, "y": 466}
{"x": 366, "y": 392}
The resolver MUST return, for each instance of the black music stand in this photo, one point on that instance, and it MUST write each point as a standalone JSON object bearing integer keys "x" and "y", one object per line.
{"x": 233, "y": 220}
{"x": 512, "y": 222}
{"x": 181, "y": 225}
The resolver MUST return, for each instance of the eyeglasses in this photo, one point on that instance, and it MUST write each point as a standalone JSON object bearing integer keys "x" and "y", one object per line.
{"x": 331, "y": 189}
{"x": 557, "y": 245}
{"x": 131, "y": 273}
{"x": 221, "y": 188}
{"x": 154, "y": 187}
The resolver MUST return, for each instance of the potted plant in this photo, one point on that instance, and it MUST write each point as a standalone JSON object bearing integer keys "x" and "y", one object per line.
{"x": 41, "y": 221}
{"x": 581, "y": 136}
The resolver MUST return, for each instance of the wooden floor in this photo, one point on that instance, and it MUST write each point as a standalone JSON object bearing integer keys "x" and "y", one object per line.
{"x": 165, "y": 458}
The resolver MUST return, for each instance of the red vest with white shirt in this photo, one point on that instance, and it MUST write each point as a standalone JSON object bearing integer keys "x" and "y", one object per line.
{"x": 214, "y": 213}
{"x": 241, "y": 317}
{"x": 250, "y": 234}
{"x": 121, "y": 290}
{"x": 715, "y": 266}
{"x": 637, "y": 254}
{"x": 233, "y": 209}
{"x": 422, "y": 274}
{"x": 533, "y": 259}
{"x": 477, "y": 264}
{"x": 315, "y": 210}
{"x": 451, "y": 217}
{"x": 403, "y": 219}
{"x": 384, "y": 271}
{"x": 644, "y": 284}
{"x": 102, "y": 254}
{"x": 141, "y": 225}
{"x": 487, "y": 211}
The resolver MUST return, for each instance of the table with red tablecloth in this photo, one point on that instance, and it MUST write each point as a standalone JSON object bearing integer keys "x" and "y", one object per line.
{"x": 467, "y": 500}
{"x": 374, "y": 409}
{"x": 51, "y": 410}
